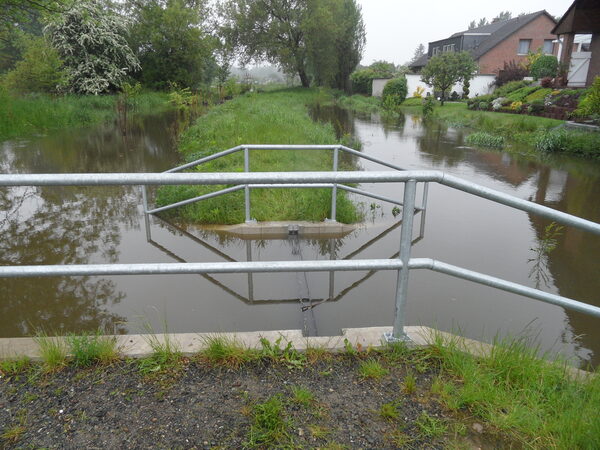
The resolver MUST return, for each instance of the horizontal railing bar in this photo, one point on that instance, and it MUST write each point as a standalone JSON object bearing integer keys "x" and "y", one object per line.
{"x": 101, "y": 179}
{"x": 515, "y": 202}
{"x": 196, "y": 199}
{"x": 498, "y": 283}
{"x": 291, "y": 147}
{"x": 205, "y": 159}
{"x": 193, "y": 268}
{"x": 370, "y": 158}
{"x": 368, "y": 194}
{"x": 291, "y": 186}
{"x": 116, "y": 179}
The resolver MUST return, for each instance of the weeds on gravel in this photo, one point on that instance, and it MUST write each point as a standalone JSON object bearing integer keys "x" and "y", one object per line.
{"x": 166, "y": 354}
{"x": 316, "y": 354}
{"x": 302, "y": 396}
{"x": 410, "y": 383}
{"x": 287, "y": 355}
{"x": 431, "y": 427}
{"x": 525, "y": 396}
{"x": 269, "y": 427}
{"x": 224, "y": 351}
{"x": 12, "y": 434}
{"x": 318, "y": 431}
{"x": 390, "y": 411}
{"x": 14, "y": 366}
{"x": 372, "y": 369}
{"x": 53, "y": 350}
{"x": 89, "y": 349}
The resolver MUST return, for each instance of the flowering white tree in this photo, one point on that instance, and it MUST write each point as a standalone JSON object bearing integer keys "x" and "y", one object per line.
{"x": 90, "y": 39}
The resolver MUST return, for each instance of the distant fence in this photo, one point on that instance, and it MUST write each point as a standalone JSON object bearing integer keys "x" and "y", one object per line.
{"x": 480, "y": 85}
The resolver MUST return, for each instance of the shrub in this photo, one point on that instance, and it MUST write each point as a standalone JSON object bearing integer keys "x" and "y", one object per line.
{"x": 520, "y": 94}
{"x": 590, "y": 105}
{"x": 512, "y": 86}
{"x": 40, "y": 70}
{"x": 362, "y": 81}
{"x": 482, "y": 98}
{"x": 395, "y": 91}
{"x": 484, "y": 106}
{"x": 516, "y": 106}
{"x": 428, "y": 107}
{"x": 511, "y": 72}
{"x": 454, "y": 96}
{"x": 419, "y": 92}
{"x": 536, "y": 107}
{"x": 544, "y": 66}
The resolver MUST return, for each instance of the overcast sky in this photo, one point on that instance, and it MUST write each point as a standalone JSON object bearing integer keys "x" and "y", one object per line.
{"x": 396, "y": 27}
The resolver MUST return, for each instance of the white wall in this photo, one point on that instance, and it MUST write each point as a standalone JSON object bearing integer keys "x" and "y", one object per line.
{"x": 480, "y": 85}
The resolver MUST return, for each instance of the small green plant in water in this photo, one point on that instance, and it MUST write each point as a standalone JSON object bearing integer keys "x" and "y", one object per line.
{"x": 482, "y": 139}
{"x": 427, "y": 108}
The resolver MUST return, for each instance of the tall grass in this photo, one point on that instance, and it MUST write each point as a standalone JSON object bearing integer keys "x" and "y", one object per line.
{"x": 277, "y": 117}
{"x": 539, "y": 402}
{"x": 360, "y": 103}
{"x": 36, "y": 113}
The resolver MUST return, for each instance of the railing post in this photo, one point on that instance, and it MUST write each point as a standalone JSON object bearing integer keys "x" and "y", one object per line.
{"x": 247, "y": 187}
{"x": 334, "y": 188}
{"x": 408, "y": 214}
{"x": 146, "y": 218}
{"x": 424, "y": 208}
{"x": 250, "y": 274}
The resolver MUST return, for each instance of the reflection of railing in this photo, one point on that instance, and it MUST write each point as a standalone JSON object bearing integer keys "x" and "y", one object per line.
{"x": 250, "y": 298}
{"x": 403, "y": 264}
{"x": 246, "y": 149}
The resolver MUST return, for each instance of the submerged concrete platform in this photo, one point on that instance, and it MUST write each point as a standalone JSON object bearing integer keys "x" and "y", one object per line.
{"x": 281, "y": 230}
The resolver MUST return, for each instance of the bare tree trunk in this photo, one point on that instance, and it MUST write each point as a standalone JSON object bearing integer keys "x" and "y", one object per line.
{"x": 303, "y": 78}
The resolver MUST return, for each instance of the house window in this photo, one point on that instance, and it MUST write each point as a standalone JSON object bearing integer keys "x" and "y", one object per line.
{"x": 548, "y": 47}
{"x": 524, "y": 45}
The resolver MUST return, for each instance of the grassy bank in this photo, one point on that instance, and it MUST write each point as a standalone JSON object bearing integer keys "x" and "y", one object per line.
{"x": 228, "y": 395}
{"x": 36, "y": 113}
{"x": 278, "y": 117}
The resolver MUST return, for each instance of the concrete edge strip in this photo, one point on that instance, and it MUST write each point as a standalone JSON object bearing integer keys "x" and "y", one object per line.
{"x": 138, "y": 345}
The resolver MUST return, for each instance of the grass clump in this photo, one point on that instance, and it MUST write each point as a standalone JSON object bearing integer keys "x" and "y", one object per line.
{"x": 12, "y": 434}
{"x": 52, "y": 350}
{"x": 278, "y": 117}
{"x": 390, "y": 411}
{"x": 89, "y": 349}
{"x": 483, "y": 139}
{"x": 372, "y": 369}
{"x": 166, "y": 355}
{"x": 224, "y": 351}
{"x": 302, "y": 396}
{"x": 269, "y": 427}
{"x": 410, "y": 383}
{"x": 574, "y": 142}
{"x": 360, "y": 103}
{"x": 14, "y": 366}
{"x": 523, "y": 395}
{"x": 431, "y": 427}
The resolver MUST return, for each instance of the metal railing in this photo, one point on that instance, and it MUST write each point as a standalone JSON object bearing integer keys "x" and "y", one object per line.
{"x": 246, "y": 149}
{"x": 403, "y": 264}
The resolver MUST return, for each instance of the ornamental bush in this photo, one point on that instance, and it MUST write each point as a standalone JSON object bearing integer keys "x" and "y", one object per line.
{"x": 396, "y": 88}
{"x": 590, "y": 105}
{"x": 544, "y": 66}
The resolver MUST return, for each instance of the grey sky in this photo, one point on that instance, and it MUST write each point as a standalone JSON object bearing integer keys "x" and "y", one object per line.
{"x": 396, "y": 27}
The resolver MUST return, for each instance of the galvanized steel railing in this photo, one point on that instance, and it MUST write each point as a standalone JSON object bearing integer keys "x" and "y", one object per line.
{"x": 403, "y": 264}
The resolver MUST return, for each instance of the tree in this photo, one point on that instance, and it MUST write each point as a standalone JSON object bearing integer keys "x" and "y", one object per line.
{"x": 472, "y": 25}
{"x": 22, "y": 11}
{"x": 445, "y": 70}
{"x": 90, "y": 39}
{"x": 419, "y": 51}
{"x": 482, "y": 22}
{"x": 383, "y": 69}
{"x": 171, "y": 40}
{"x": 503, "y": 15}
{"x": 320, "y": 41}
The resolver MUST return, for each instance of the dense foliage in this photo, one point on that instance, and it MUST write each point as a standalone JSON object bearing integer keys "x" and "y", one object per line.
{"x": 90, "y": 39}
{"x": 362, "y": 79}
{"x": 394, "y": 92}
{"x": 320, "y": 41}
{"x": 544, "y": 66}
{"x": 447, "y": 69}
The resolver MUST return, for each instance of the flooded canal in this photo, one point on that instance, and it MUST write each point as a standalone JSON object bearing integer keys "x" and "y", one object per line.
{"x": 105, "y": 225}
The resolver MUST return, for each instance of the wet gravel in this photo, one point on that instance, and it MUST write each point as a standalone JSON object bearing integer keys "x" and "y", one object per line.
{"x": 197, "y": 406}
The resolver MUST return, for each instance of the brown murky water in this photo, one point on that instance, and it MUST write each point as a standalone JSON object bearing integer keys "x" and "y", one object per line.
{"x": 93, "y": 225}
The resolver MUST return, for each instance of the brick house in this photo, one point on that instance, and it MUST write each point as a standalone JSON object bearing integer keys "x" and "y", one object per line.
{"x": 499, "y": 42}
